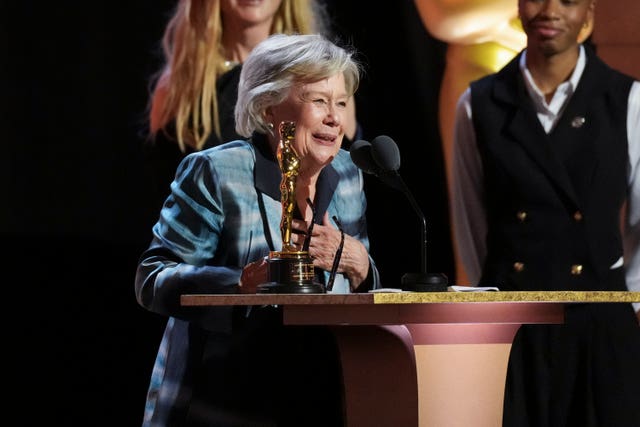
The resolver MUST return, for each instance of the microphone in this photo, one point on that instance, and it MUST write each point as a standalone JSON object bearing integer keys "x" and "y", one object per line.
{"x": 360, "y": 153}
{"x": 382, "y": 161}
{"x": 385, "y": 152}
{"x": 381, "y": 158}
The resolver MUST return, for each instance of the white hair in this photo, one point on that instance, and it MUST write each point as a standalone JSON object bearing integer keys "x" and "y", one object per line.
{"x": 276, "y": 64}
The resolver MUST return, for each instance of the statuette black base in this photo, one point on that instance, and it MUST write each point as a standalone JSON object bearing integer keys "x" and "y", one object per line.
{"x": 285, "y": 288}
{"x": 291, "y": 273}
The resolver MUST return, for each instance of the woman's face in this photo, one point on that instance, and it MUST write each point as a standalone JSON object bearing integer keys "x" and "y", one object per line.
{"x": 319, "y": 111}
{"x": 249, "y": 12}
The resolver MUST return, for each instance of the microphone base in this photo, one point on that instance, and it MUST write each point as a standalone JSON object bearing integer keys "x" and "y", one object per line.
{"x": 424, "y": 282}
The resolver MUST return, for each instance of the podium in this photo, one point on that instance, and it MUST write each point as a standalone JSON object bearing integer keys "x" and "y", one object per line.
{"x": 421, "y": 359}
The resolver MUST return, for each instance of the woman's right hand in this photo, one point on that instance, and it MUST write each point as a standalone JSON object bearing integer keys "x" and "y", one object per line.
{"x": 253, "y": 274}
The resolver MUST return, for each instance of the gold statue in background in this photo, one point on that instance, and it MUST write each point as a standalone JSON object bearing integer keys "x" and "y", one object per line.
{"x": 289, "y": 166}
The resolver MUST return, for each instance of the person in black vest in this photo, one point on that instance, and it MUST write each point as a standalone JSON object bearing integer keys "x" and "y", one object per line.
{"x": 546, "y": 163}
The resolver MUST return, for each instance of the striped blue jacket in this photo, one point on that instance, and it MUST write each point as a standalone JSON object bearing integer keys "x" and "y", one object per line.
{"x": 222, "y": 213}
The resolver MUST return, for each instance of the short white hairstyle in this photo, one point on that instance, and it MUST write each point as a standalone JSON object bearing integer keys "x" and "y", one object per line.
{"x": 278, "y": 63}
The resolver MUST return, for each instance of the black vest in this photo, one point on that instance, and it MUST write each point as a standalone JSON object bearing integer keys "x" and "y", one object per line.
{"x": 553, "y": 201}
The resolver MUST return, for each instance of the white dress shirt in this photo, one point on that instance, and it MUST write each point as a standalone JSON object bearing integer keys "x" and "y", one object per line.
{"x": 469, "y": 215}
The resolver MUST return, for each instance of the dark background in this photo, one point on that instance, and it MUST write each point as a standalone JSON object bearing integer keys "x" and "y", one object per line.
{"x": 75, "y": 214}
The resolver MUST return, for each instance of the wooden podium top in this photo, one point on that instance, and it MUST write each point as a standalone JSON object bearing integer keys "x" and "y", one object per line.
{"x": 408, "y": 298}
{"x": 393, "y": 308}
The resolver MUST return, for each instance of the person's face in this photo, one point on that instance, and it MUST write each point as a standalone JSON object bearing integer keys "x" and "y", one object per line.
{"x": 319, "y": 111}
{"x": 553, "y": 26}
{"x": 249, "y": 12}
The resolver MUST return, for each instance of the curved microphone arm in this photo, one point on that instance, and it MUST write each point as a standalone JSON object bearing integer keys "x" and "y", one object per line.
{"x": 423, "y": 219}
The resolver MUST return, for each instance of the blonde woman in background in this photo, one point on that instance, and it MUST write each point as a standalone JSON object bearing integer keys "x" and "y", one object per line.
{"x": 194, "y": 93}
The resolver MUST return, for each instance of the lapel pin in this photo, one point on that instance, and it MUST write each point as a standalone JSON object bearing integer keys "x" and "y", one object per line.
{"x": 577, "y": 122}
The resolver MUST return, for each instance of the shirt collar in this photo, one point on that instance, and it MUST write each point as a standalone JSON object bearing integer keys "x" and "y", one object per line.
{"x": 566, "y": 88}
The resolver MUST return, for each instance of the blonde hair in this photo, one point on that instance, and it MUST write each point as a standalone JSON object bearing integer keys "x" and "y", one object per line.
{"x": 185, "y": 88}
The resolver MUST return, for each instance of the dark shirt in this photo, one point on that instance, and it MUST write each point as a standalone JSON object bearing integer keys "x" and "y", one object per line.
{"x": 162, "y": 154}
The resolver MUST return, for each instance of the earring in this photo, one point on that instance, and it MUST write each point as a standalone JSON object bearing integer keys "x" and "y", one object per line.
{"x": 270, "y": 126}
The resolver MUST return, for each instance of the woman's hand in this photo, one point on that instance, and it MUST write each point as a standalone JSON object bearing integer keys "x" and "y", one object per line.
{"x": 253, "y": 274}
{"x": 325, "y": 241}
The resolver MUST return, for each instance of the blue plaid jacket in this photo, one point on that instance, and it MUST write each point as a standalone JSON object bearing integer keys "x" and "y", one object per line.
{"x": 223, "y": 212}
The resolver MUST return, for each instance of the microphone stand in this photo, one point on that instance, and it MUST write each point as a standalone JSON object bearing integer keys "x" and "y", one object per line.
{"x": 423, "y": 281}
{"x": 382, "y": 159}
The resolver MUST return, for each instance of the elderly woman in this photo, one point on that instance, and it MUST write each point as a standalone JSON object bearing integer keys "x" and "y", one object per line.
{"x": 241, "y": 366}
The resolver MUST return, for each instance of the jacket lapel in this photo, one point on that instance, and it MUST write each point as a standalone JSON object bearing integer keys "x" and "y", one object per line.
{"x": 267, "y": 177}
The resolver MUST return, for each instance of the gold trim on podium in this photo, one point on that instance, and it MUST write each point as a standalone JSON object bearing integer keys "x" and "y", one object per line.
{"x": 493, "y": 296}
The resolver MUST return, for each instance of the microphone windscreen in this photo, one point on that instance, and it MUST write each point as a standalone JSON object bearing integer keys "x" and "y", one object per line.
{"x": 360, "y": 152}
{"x": 385, "y": 153}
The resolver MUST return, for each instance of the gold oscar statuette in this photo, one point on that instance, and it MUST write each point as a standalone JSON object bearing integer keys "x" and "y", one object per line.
{"x": 290, "y": 269}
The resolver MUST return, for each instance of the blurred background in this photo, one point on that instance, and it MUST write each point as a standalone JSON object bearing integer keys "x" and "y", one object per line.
{"x": 75, "y": 211}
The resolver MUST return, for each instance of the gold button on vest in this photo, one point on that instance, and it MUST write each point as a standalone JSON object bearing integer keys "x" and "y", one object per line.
{"x": 521, "y": 216}
{"x": 518, "y": 266}
{"x": 577, "y": 216}
{"x": 576, "y": 269}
